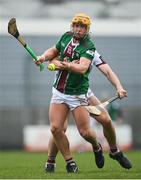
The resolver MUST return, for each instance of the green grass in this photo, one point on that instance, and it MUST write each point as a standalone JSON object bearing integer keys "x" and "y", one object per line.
{"x": 23, "y": 165}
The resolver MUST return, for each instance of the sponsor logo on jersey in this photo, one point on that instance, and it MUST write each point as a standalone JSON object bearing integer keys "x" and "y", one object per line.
{"x": 90, "y": 52}
{"x": 63, "y": 44}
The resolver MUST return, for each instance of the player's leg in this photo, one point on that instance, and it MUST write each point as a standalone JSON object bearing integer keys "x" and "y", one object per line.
{"x": 105, "y": 120}
{"x": 57, "y": 115}
{"x": 52, "y": 152}
{"x": 81, "y": 117}
{"x": 110, "y": 135}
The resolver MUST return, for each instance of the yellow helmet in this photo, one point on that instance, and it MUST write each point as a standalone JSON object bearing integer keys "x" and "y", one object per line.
{"x": 81, "y": 18}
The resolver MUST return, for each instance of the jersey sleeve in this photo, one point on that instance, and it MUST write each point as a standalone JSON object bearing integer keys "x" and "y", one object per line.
{"x": 98, "y": 60}
{"x": 58, "y": 44}
{"x": 89, "y": 54}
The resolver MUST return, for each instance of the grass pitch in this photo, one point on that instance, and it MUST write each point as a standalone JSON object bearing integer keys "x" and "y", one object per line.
{"x": 23, "y": 165}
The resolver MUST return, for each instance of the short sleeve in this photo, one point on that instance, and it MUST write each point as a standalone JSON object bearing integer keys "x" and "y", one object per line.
{"x": 58, "y": 44}
{"x": 97, "y": 61}
{"x": 89, "y": 54}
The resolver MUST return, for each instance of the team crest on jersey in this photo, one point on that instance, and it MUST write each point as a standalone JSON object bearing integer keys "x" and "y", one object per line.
{"x": 90, "y": 52}
{"x": 77, "y": 54}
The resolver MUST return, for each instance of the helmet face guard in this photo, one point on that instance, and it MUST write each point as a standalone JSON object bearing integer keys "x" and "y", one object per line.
{"x": 81, "y": 18}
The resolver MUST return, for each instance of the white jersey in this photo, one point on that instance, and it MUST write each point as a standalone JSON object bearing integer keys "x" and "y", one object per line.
{"x": 97, "y": 61}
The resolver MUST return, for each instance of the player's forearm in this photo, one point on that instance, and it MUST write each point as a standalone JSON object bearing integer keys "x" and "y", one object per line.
{"x": 50, "y": 54}
{"x": 77, "y": 68}
{"x": 73, "y": 67}
{"x": 113, "y": 78}
{"x": 116, "y": 82}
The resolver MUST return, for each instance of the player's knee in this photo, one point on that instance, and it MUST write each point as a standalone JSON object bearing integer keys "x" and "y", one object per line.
{"x": 84, "y": 132}
{"x": 55, "y": 129}
{"x": 105, "y": 119}
{"x": 64, "y": 129}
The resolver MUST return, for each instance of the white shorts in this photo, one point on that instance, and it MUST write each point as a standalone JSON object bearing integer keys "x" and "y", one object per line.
{"x": 72, "y": 101}
{"x": 89, "y": 93}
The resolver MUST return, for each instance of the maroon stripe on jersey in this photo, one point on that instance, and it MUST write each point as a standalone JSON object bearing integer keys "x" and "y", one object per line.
{"x": 61, "y": 83}
{"x": 69, "y": 50}
{"x": 101, "y": 63}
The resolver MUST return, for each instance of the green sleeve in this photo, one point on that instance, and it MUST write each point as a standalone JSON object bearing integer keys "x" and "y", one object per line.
{"x": 89, "y": 54}
{"x": 58, "y": 44}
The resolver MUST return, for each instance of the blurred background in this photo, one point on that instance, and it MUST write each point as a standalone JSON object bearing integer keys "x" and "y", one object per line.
{"x": 25, "y": 92}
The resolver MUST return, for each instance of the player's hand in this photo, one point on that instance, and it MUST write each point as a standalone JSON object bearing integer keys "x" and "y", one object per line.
{"x": 40, "y": 59}
{"x": 65, "y": 65}
{"x": 121, "y": 93}
{"x": 76, "y": 61}
{"x": 57, "y": 63}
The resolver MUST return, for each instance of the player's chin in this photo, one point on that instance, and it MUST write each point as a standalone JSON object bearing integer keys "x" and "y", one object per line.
{"x": 77, "y": 36}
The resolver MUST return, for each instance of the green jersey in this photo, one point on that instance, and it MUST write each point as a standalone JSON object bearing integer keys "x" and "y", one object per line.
{"x": 69, "y": 82}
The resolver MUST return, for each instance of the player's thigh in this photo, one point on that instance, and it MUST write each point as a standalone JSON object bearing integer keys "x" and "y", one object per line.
{"x": 93, "y": 100}
{"x": 81, "y": 117}
{"x": 58, "y": 114}
{"x": 104, "y": 116}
